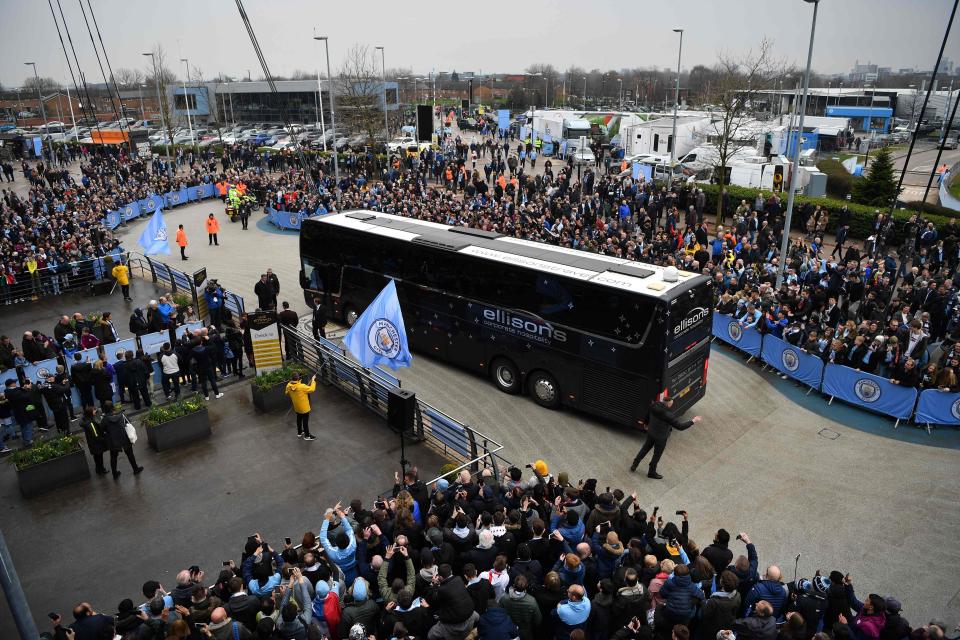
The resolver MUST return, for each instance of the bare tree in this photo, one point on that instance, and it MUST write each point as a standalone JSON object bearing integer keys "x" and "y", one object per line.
{"x": 162, "y": 75}
{"x": 360, "y": 91}
{"x": 128, "y": 78}
{"x": 46, "y": 85}
{"x": 734, "y": 87}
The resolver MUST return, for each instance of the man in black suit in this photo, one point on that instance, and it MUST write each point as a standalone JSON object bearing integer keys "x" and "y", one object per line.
{"x": 661, "y": 423}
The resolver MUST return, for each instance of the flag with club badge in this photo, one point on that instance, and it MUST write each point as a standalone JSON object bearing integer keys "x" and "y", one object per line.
{"x": 379, "y": 336}
{"x": 154, "y": 237}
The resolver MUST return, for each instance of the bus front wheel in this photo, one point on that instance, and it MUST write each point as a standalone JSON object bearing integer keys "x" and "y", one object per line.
{"x": 544, "y": 389}
{"x": 506, "y": 376}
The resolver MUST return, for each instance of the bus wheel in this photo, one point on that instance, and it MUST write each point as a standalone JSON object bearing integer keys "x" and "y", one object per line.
{"x": 350, "y": 316}
{"x": 506, "y": 376}
{"x": 544, "y": 389}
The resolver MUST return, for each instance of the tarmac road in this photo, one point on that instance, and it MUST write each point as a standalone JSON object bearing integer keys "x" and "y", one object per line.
{"x": 833, "y": 483}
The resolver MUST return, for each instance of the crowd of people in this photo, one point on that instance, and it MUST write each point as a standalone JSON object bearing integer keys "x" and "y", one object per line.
{"x": 500, "y": 558}
{"x": 196, "y": 359}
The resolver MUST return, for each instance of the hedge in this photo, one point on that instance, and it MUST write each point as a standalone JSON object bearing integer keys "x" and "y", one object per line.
{"x": 839, "y": 179}
{"x": 861, "y": 223}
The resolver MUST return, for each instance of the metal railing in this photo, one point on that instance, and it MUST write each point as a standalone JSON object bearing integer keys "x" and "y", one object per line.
{"x": 177, "y": 281}
{"x": 66, "y": 277}
{"x": 371, "y": 388}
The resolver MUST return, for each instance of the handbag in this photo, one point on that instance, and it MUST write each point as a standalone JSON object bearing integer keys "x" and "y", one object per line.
{"x": 131, "y": 431}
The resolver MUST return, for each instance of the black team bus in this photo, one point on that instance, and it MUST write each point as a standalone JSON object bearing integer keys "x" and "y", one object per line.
{"x": 599, "y": 334}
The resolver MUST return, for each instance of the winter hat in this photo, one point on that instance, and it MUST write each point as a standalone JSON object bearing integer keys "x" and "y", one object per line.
{"x": 541, "y": 467}
{"x": 821, "y": 585}
{"x": 442, "y": 484}
{"x": 563, "y": 479}
{"x": 612, "y": 545}
{"x": 359, "y": 593}
{"x": 893, "y": 605}
{"x": 802, "y": 585}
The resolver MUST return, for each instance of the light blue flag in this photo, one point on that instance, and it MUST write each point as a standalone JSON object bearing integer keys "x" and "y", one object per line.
{"x": 378, "y": 336}
{"x": 154, "y": 237}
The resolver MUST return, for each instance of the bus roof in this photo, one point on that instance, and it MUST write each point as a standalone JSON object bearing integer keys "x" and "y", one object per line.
{"x": 618, "y": 273}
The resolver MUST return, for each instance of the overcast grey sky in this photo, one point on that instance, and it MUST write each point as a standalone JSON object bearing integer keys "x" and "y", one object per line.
{"x": 492, "y": 35}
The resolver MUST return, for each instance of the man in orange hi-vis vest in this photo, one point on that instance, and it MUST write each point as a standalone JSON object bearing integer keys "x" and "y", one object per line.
{"x": 182, "y": 242}
{"x": 212, "y": 228}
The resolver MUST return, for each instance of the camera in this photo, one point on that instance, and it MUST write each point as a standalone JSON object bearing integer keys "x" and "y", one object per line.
{"x": 680, "y": 513}
{"x": 739, "y": 537}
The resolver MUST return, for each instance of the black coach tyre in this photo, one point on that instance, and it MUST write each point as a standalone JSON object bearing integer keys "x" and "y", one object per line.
{"x": 544, "y": 389}
{"x": 506, "y": 376}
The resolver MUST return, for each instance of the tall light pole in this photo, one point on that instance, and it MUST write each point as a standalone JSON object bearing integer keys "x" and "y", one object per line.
{"x": 163, "y": 119}
{"x": 785, "y": 242}
{"x": 143, "y": 113}
{"x": 333, "y": 121}
{"x": 186, "y": 103}
{"x": 43, "y": 110}
{"x": 620, "y": 94}
{"x": 546, "y": 94}
{"x": 676, "y": 104}
{"x": 323, "y": 126}
{"x": 383, "y": 71}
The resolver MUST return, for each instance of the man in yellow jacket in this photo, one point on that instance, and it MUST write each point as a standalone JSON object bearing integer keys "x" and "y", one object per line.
{"x": 299, "y": 396}
{"x": 122, "y": 275}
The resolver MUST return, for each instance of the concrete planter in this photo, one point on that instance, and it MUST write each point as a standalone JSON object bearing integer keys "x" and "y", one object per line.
{"x": 178, "y": 431}
{"x": 52, "y": 474}
{"x": 270, "y": 399}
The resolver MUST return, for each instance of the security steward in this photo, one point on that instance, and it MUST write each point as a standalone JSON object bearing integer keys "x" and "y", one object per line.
{"x": 661, "y": 423}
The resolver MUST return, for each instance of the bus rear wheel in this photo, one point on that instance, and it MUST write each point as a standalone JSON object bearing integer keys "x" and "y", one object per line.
{"x": 544, "y": 389}
{"x": 506, "y": 376}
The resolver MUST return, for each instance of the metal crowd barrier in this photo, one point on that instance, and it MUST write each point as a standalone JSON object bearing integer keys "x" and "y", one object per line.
{"x": 371, "y": 388}
{"x": 67, "y": 277}
{"x": 177, "y": 281}
{"x": 858, "y": 388}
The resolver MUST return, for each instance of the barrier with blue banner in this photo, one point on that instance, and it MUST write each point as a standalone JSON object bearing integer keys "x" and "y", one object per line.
{"x": 40, "y": 370}
{"x": 792, "y": 361}
{"x": 151, "y": 342}
{"x": 175, "y": 198}
{"x": 288, "y": 219}
{"x": 113, "y": 219}
{"x": 190, "y": 326}
{"x": 868, "y": 391}
{"x": 111, "y": 350}
{"x": 727, "y": 328}
{"x": 938, "y": 407}
{"x": 9, "y": 374}
{"x": 131, "y": 211}
{"x": 87, "y": 355}
{"x": 193, "y": 193}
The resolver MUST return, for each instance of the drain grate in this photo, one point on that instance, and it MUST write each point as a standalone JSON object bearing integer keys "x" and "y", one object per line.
{"x": 829, "y": 434}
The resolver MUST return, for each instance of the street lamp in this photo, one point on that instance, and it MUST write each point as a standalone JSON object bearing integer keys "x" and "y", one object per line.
{"x": 785, "y": 242}
{"x": 186, "y": 103}
{"x": 333, "y": 121}
{"x": 143, "y": 113}
{"x": 383, "y": 69}
{"x": 676, "y": 103}
{"x": 43, "y": 110}
{"x": 620, "y": 94}
{"x": 163, "y": 119}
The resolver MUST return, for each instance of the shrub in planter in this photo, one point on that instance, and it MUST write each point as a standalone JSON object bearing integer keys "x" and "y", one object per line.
{"x": 171, "y": 425}
{"x": 50, "y": 464}
{"x": 268, "y": 388}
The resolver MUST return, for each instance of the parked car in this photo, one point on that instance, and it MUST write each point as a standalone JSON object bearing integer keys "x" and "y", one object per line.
{"x": 948, "y": 143}
{"x": 400, "y": 143}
